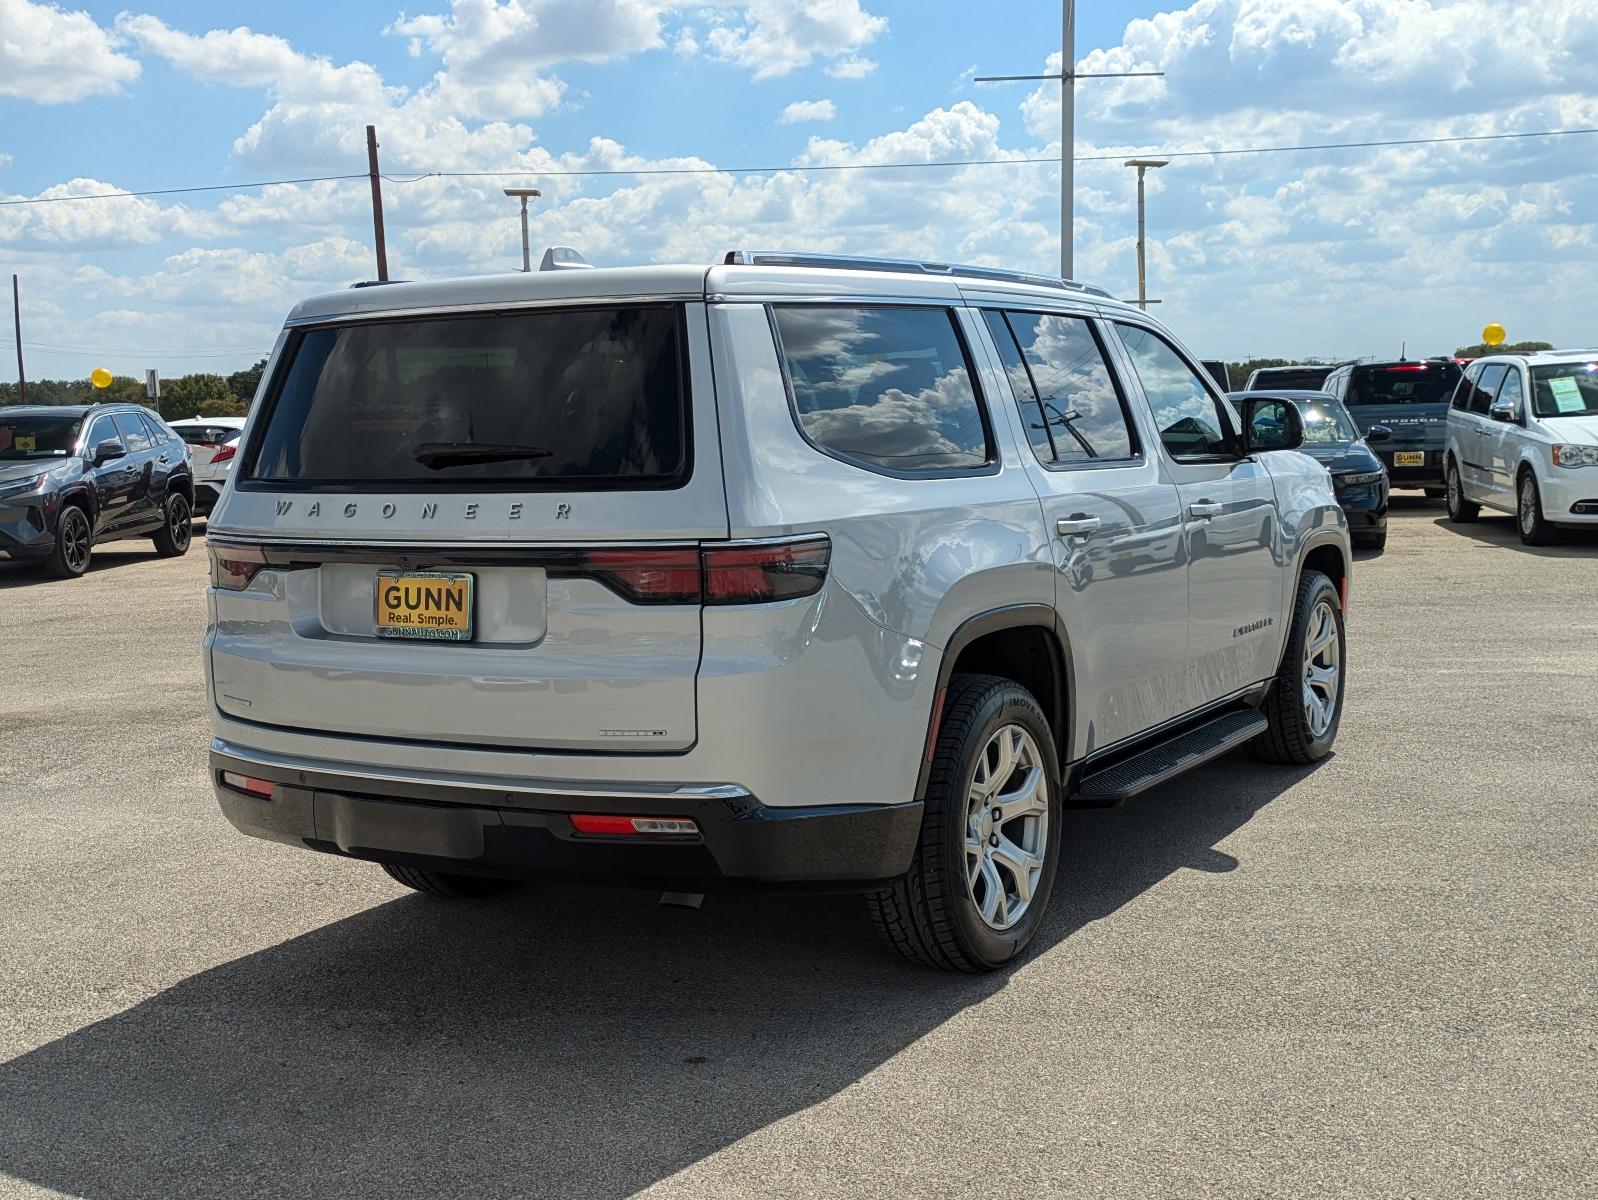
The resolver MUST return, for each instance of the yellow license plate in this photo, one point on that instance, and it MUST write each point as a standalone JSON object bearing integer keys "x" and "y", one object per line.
{"x": 1410, "y": 458}
{"x": 431, "y": 605}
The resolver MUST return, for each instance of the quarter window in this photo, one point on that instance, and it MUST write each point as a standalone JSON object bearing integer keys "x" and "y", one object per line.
{"x": 1189, "y": 417}
{"x": 1511, "y": 390}
{"x": 1068, "y": 399}
{"x": 886, "y": 387}
{"x": 132, "y": 431}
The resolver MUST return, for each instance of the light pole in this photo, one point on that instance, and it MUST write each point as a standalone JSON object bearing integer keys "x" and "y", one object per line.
{"x": 1142, "y": 165}
{"x": 524, "y": 193}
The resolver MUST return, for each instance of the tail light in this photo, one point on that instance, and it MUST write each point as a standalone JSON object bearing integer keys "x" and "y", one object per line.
{"x": 234, "y": 564}
{"x": 225, "y": 454}
{"x": 666, "y": 576}
{"x": 755, "y": 573}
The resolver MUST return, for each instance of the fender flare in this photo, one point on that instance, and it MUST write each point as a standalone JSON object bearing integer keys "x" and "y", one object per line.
{"x": 995, "y": 620}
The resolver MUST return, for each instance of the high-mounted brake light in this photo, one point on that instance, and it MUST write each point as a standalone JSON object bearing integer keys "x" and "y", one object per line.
{"x": 605, "y": 825}
{"x": 234, "y": 564}
{"x": 757, "y": 574}
{"x": 224, "y": 454}
{"x": 1402, "y": 368}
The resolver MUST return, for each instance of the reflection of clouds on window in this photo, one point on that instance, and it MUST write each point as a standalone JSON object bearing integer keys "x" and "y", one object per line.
{"x": 1072, "y": 378}
{"x": 886, "y": 385}
{"x": 1184, "y": 410}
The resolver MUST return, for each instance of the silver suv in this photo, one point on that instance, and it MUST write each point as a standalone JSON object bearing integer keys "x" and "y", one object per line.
{"x": 792, "y": 571}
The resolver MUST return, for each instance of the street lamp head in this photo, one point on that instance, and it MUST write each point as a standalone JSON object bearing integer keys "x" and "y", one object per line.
{"x": 1149, "y": 163}
{"x": 523, "y": 192}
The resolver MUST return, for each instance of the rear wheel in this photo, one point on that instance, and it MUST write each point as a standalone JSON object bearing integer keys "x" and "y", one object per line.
{"x": 172, "y": 539}
{"x": 446, "y": 885}
{"x": 74, "y": 544}
{"x": 977, "y": 888}
{"x": 1460, "y": 510}
{"x": 1534, "y": 530}
{"x": 1305, "y": 704}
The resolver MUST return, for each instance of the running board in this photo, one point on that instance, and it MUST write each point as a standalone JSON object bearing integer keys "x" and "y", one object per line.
{"x": 1168, "y": 759}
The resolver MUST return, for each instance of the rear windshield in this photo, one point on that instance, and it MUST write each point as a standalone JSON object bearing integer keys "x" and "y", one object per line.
{"x": 206, "y": 435}
{"x": 1565, "y": 390}
{"x": 589, "y": 397}
{"x": 1404, "y": 383}
{"x": 1305, "y": 378}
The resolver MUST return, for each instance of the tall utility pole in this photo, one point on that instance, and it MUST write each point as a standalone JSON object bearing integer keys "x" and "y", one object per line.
{"x": 1142, "y": 165}
{"x": 16, "y": 320}
{"x": 1068, "y": 76}
{"x": 524, "y": 193}
{"x": 377, "y": 203}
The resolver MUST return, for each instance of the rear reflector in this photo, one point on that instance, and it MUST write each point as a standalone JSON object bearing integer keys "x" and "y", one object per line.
{"x": 604, "y": 825}
{"x": 244, "y": 783}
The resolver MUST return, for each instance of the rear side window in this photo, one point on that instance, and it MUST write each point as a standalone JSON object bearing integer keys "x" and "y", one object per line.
{"x": 886, "y": 387}
{"x": 591, "y": 397}
{"x": 1070, "y": 405}
{"x": 1403, "y": 383}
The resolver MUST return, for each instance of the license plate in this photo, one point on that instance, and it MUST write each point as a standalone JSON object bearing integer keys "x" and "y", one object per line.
{"x": 431, "y": 605}
{"x": 1410, "y": 458}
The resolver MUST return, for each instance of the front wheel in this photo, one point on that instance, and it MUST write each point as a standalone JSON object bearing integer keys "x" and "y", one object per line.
{"x": 1460, "y": 510}
{"x": 1305, "y": 704}
{"x": 172, "y": 539}
{"x": 1534, "y": 529}
{"x": 448, "y": 886}
{"x": 74, "y": 544}
{"x": 976, "y": 891}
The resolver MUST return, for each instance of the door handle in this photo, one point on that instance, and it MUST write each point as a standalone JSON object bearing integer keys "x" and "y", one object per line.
{"x": 1204, "y": 509}
{"x": 1076, "y": 526}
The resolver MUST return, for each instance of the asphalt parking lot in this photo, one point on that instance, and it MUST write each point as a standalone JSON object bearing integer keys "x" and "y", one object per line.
{"x": 1374, "y": 977}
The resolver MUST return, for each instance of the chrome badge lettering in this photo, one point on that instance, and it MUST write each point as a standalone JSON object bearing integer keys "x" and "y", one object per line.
{"x": 283, "y": 507}
{"x": 1253, "y": 627}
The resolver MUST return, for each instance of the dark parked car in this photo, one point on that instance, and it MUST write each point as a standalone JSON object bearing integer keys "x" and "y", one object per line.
{"x": 1300, "y": 375}
{"x": 72, "y": 476}
{"x": 1360, "y": 478}
{"x": 1410, "y": 397}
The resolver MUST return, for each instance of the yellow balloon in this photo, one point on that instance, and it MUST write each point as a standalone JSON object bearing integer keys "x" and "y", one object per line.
{"x": 100, "y": 377}
{"x": 1493, "y": 335}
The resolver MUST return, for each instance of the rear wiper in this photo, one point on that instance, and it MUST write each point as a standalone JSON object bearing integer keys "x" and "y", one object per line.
{"x": 437, "y": 455}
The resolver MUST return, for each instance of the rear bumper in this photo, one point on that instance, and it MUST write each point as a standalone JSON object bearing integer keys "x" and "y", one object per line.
{"x": 528, "y": 833}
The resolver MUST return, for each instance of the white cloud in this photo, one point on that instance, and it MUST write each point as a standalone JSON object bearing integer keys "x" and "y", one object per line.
{"x": 776, "y": 37}
{"x": 807, "y": 110}
{"x": 50, "y": 55}
{"x": 504, "y": 38}
{"x": 853, "y": 67}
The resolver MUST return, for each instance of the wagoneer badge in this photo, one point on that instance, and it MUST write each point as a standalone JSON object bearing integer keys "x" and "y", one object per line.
{"x": 424, "y": 512}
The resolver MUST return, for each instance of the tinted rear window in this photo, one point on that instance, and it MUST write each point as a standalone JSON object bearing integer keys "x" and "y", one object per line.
{"x": 1404, "y": 383}
{"x": 571, "y": 397}
{"x": 1299, "y": 378}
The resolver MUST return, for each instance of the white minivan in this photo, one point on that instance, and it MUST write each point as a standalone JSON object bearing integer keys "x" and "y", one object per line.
{"x": 1523, "y": 439}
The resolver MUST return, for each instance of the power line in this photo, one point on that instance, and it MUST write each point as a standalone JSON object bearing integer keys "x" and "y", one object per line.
{"x": 52, "y": 348}
{"x": 815, "y": 168}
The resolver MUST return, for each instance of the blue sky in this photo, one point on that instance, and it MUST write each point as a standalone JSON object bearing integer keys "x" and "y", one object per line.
{"x": 1330, "y": 253}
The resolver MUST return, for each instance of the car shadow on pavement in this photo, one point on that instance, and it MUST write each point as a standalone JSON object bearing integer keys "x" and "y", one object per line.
{"x": 14, "y": 574}
{"x": 1496, "y": 530}
{"x": 565, "y": 1042}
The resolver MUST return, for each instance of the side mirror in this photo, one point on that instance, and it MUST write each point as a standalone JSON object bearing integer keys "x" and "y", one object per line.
{"x": 108, "y": 450}
{"x": 1501, "y": 410}
{"x": 1378, "y": 433}
{"x": 1272, "y": 424}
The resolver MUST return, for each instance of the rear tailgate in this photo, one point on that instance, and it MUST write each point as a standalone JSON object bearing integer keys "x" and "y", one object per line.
{"x": 515, "y": 498}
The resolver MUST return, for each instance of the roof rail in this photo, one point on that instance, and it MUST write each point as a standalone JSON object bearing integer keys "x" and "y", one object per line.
{"x": 847, "y": 262}
{"x": 377, "y": 282}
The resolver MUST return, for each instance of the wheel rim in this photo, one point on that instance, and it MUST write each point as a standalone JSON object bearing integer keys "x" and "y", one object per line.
{"x": 75, "y": 539}
{"x": 1323, "y": 662}
{"x": 178, "y": 522}
{"x": 1007, "y": 827}
{"x": 1455, "y": 496}
{"x": 1528, "y": 505}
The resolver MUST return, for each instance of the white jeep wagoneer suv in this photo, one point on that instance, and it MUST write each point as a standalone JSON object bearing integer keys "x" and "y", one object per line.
{"x": 789, "y": 571}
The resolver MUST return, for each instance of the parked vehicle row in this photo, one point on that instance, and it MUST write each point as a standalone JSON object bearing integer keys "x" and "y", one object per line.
{"x": 73, "y": 476}
{"x": 213, "y": 442}
{"x": 793, "y": 571}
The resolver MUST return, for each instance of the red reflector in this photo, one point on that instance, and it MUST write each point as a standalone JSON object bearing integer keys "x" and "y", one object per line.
{"x": 765, "y": 572}
{"x": 225, "y": 453}
{"x": 604, "y": 824}
{"x": 668, "y": 576}
{"x": 937, "y": 718}
{"x": 244, "y": 783}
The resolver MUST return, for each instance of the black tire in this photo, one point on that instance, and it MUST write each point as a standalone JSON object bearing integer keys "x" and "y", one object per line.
{"x": 177, "y": 527}
{"x": 1290, "y": 738}
{"x": 1534, "y": 529}
{"x": 1460, "y": 510}
{"x": 448, "y": 886}
{"x": 1372, "y": 541}
{"x": 74, "y": 543}
{"x": 1434, "y": 493}
{"x": 931, "y": 916}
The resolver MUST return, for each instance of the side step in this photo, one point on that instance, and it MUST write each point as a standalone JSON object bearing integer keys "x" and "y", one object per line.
{"x": 1168, "y": 759}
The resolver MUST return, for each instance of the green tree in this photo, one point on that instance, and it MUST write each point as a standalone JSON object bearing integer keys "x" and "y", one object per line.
{"x": 1482, "y": 349}
{"x": 199, "y": 395}
{"x": 243, "y": 383}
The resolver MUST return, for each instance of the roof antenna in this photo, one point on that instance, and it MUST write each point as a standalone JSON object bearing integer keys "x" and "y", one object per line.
{"x": 1403, "y": 351}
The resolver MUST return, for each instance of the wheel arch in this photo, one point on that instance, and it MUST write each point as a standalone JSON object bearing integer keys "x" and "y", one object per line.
{"x": 1024, "y": 642}
{"x": 82, "y": 495}
{"x": 1327, "y": 553}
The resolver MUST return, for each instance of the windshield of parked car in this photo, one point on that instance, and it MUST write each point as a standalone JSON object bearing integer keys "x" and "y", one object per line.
{"x": 37, "y": 435}
{"x": 1404, "y": 383}
{"x": 1326, "y": 424}
{"x": 1565, "y": 390}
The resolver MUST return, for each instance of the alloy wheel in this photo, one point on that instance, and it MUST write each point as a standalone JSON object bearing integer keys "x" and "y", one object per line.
{"x": 1007, "y": 827}
{"x": 75, "y": 540}
{"x": 179, "y": 523}
{"x": 1528, "y": 506}
{"x": 1323, "y": 660}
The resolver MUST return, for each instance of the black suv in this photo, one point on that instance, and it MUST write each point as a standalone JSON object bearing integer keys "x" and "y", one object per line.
{"x": 74, "y": 475}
